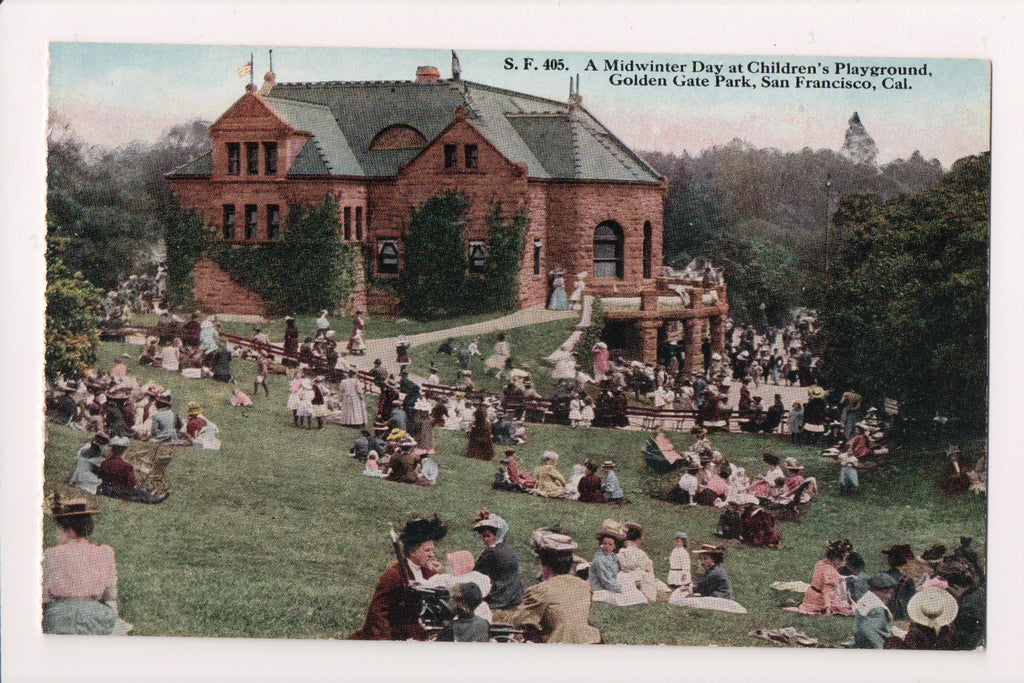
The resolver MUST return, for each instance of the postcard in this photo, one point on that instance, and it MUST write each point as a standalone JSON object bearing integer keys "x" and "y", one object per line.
{"x": 516, "y": 346}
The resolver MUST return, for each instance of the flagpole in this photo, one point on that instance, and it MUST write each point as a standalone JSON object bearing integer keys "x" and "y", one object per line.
{"x": 251, "y": 70}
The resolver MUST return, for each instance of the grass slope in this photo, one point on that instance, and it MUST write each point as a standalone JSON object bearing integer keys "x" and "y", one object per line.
{"x": 279, "y": 535}
{"x": 530, "y": 345}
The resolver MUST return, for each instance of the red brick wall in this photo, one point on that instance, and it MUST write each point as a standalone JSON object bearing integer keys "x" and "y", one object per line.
{"x": 533, "y": 289}
{"x": 494, "y": 180}
{"x": 216, "y": 292}
{"x": 574, "y": 212}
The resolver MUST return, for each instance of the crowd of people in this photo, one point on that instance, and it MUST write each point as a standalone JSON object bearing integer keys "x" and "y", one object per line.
{"x": 931, "y": 601}
{"x": 488, "y": 593}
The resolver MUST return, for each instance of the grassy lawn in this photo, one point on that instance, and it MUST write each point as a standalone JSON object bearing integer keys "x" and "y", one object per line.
{"x": 279, "y": 535}
{"x": 529, "y": 345}
{"x": 376, "y": 328}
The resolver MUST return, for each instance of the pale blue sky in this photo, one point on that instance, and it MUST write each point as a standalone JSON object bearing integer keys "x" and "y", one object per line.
{"x": 114, "y": 93}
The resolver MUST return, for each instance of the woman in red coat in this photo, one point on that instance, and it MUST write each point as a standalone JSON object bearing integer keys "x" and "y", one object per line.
{"x": 393, "y": 613}
{"x": 590, "y": 485}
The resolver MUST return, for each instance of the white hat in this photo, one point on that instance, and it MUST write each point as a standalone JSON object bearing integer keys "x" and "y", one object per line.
{"x": 120, "y": 441}
{"x": 932, "y": 607}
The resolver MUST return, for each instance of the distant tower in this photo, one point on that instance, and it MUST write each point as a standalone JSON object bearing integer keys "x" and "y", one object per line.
{"x": 859, "y": 147}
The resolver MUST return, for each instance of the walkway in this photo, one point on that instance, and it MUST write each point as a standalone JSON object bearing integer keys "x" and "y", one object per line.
{"x": 385, "y": 348}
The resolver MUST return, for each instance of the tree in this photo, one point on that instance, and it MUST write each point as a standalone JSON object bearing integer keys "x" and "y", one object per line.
{"x": 500, "y": 283}
{"x": 73, "y": 310}
{"x": 905, "y": 310}
{"x": 433, "y": 280}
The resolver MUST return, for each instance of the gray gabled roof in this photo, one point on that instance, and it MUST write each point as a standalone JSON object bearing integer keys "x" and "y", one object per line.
{"x": 335, "y": 151}
{"x": 201, "y": 165}
{"x": 551, "y": 140}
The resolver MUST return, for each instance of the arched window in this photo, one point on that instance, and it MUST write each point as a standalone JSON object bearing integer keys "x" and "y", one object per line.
{"x": 608, "y": 250}
{"x": 387, "y": 257}
{"x": 399, "y": 136}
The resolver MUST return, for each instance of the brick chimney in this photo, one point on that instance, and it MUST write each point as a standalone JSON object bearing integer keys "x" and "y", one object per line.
{"x": 427, "y": 74}
{"x": 268, "y": 83}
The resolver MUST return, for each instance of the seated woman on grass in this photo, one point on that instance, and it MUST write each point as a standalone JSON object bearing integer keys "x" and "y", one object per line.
{"x": 556, "y": 610}
{"x": 550, "y": 482}
{"x": 823, "y": 597}
{"x": 606, "y": 580}
{"x": 763, "y": 485}
{"x": 636, "y": 567}
{"x": 712, "y": 589}
{"x": 79, "y": 577}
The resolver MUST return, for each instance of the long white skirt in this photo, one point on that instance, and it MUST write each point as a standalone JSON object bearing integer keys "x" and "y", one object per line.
{"x": 628, "y": 593}
{"x": 681, "y": 599}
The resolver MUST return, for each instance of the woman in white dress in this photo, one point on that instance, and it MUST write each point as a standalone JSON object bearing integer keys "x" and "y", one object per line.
{"x": 636, "y": 567}
{"x": 498, "y": 359}
{"x": 353, "y": 404}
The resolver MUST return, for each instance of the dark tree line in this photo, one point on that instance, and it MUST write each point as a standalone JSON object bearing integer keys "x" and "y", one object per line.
{"x": 110, "y": 205}
{"x": 761, "y": 214}
{"x": 905, "y": 307}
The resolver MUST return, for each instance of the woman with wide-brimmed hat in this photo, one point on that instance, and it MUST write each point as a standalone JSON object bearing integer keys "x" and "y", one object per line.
{"x": 713, "y": 588}
{"x": 556, "y": 610}
{"x": 393, "y": 614}
{"x": 606, "y": 579}
{"x": 79, "y": 577}
{"x": 932, "y": 612}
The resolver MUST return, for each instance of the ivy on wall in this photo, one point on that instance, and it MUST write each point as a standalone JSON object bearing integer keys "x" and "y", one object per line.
{"x": 500, "y": 284}
{"x": 310, "y": 269}
{"x": 187, "y": 241}
{"x": 435, "y": 281}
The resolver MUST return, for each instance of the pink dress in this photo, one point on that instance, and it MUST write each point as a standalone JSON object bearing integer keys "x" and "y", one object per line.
{"x": 822, "y": 597}
{"x": 78, "y": 570}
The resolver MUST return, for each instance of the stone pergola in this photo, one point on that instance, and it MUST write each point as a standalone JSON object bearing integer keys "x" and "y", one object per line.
{"x": 658, "y": 306}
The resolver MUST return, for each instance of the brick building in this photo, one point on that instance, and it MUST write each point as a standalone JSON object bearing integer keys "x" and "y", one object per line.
{"x": 383, "y": 147}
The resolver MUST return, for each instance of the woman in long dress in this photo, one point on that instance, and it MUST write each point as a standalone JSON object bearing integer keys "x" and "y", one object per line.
{"x": 79, "y": 577}
{"x": 558, "y": 301}
{"x": 823, "y": 596}
{"x": 353, "y": 404}
{"x": 498, "y": 359}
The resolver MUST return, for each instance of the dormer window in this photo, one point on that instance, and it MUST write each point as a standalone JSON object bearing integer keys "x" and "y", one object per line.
{"x": 270, "y": 158}
{"x": 472, "y": 156}
{"x": 451, "y": 157}
{"x": 252, "y": 158}
{"x": 234, "y": 158}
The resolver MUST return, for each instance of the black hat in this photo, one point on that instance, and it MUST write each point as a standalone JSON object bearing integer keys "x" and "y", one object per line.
{"x": 421, "y": 530}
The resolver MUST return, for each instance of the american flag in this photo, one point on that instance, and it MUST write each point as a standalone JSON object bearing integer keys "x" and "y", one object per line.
{"x": 245, "y": 69}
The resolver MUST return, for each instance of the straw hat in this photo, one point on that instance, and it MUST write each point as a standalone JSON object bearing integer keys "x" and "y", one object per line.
{"x": 549, "y": 456}
{"x": 612, "y": 529}
{"x": 792, "y": 464}
{"x": 715, "y": 551}
{"x": 120, "y": 442}
{"x": 932, "y": 607}
{"x": 608, "y": 465}
{"x": 546, "y": 539}
{"x": 816, "y": 392}
{"x": 194, "y": 408}
{"x": 70, "y": 503}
